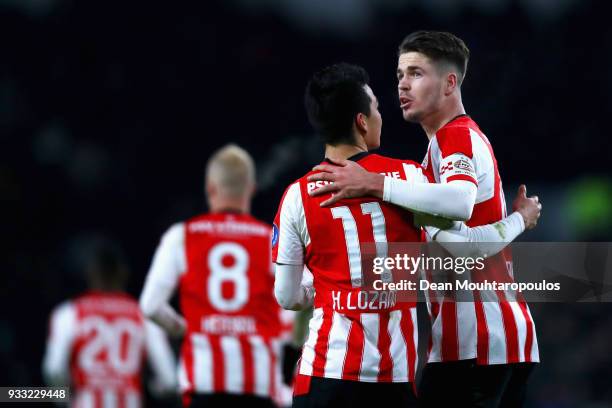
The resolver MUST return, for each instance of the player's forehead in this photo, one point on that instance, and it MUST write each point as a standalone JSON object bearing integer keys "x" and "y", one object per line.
{"x": 412, "y": 59}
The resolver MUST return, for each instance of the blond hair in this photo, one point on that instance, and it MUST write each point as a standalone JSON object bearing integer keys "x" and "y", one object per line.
{"x": 232, "y": 170}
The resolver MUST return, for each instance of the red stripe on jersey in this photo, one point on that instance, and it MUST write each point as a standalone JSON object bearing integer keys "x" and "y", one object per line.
{"x": 482, "y": 331}
{"x": 354, "y": 352}
{"x": 407, "y": 329}
{"x": 248, "y": 367}
{"x": 462, "y": 177}
{"x": 385, "y": 366}
{"x": 318, "y": 365}
{"x": 529, "y": 334}
{"x": 301, "y": 384}
{"x": 218, "y": 364}
{"x": 450, "y": 335}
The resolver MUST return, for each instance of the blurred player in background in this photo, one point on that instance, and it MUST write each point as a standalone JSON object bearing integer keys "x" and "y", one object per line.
{"x": 97, "y": 341}
{"x": 220, "y": 263}
{"x": 483, "y": 350}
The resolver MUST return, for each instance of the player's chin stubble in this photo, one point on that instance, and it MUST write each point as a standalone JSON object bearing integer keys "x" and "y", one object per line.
{"x": 413, "y": 117}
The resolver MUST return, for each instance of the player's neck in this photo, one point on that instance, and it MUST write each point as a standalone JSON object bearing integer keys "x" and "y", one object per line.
{"x": 343, "y": 151}
{"x": 229, "y": 205}
{"x": 441, "y": 117}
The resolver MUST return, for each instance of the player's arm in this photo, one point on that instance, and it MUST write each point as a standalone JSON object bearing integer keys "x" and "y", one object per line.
{"x": 62, "y": 330}
{"x": 167, "y": 266}
{"x": 290, "y": 290}
{"x": 454, "y": 199}
{"x": 161, "y": 360}
{"x": 488, "y": 240}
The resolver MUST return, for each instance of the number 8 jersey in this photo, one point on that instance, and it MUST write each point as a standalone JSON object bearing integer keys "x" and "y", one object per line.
{"x": 352, "y": 336}
{"x": 222, "y": 267}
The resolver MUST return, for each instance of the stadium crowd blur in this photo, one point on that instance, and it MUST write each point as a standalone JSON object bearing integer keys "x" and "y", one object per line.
{"x": 109, "y": 110}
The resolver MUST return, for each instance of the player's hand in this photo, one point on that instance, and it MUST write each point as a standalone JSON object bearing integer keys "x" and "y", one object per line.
{"x": 349, "y": 180}
{"x": 529, "y": 207}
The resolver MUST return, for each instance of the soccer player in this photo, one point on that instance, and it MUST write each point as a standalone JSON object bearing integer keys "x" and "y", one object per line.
{"x": 357, "y": 352}
{"x": 490, "y": 346}
{"x": 220, "y": 263}
{"x": 97, "y": 341}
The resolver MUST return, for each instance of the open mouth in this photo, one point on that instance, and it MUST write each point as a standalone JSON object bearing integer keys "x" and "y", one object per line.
{"x": 405, "y": 102}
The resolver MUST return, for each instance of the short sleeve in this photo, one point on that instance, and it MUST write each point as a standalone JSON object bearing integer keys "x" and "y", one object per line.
{"x": 456, "y": 155}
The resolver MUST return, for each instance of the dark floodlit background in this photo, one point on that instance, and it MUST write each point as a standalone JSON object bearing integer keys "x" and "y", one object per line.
{"x": 109, "y": 110}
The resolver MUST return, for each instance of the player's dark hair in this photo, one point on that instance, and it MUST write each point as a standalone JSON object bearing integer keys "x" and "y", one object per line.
{"x": 106, "y": 265}
{"x": 333, "y": 97}
{"x": 439, "y": 47}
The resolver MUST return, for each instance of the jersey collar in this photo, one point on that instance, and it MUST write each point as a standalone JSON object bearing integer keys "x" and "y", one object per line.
{"x": 455, "y": 118}
{"x": 354, "y": 158}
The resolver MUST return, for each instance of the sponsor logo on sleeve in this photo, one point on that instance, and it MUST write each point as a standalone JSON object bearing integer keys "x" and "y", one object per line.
{"x": 274, "y": 235}
{"x": 464, "y": 165}
{"x": 447, "y": 167}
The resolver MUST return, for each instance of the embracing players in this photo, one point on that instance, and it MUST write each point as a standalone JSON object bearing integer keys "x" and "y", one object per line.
{"x": 486, "y": 347}
{"x": 359, "y": 353}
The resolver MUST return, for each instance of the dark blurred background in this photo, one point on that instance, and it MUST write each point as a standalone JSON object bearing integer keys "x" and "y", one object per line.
{"x": 109, "y": 110}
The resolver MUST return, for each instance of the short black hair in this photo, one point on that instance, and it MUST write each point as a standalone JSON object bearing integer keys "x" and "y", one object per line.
{"x": 440, "y": 47}
{"x": 333, "y": 97}
{"x": 106, "y": 263}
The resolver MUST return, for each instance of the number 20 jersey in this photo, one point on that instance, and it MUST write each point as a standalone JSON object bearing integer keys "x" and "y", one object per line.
{"x": 348, "y": 339}
{"x": 227, "y": 297}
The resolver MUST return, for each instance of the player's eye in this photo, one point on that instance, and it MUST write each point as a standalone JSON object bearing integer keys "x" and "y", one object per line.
{"x": 416, "y": 74}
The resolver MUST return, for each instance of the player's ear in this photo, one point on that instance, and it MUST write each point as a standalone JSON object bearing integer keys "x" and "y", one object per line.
{"x": 361, "y": 121}
{"x": 452, "y": 82}
{"x": 210, "y": 188}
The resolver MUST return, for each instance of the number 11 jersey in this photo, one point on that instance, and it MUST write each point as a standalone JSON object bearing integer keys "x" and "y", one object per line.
{"x": 354, "y": 334}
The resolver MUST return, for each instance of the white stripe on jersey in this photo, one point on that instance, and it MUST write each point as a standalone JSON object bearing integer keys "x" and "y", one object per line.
{"x": 132, "y": 400}
{"x": 109, "y": 398}
{"x": 521, "y": 328}
{"x": 497, "y": 333}
{"x": 232, "y": 364}
{"x": 371, "y": 356}
{"x": 337, "y": 346}
{"x": 261, "y": 363}
{"x": 308, "y": 351}
{"x": 398, "y": 347}
{"x": 202, "y": 363}
{"x": 85, "y": 399}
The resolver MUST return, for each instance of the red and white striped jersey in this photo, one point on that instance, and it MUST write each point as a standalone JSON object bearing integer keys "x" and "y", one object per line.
{"x": 99, "y": 340}
{"x": 226, "y": 294}
{"x": 493, "y": 332}
{"x": 352, "y": 335}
